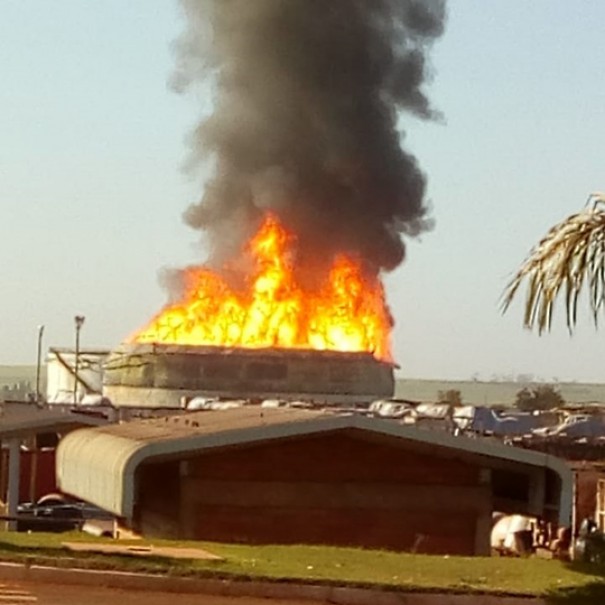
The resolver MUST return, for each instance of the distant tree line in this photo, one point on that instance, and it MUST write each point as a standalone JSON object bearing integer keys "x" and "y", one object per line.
{"x": 451, "y": 397}
{"x": 539, "y": 398}
{"x": 529, "y": 399}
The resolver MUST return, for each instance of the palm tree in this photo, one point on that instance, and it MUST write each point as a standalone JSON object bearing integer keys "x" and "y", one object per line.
{"x": 570, "y": 255}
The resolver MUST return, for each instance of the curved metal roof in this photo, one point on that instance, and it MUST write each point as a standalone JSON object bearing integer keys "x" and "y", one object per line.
{"x": 99, "y": 464}
{"x": 22, "y": 420}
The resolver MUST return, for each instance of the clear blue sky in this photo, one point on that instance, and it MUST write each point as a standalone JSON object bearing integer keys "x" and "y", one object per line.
{"x": 92, "y": 191}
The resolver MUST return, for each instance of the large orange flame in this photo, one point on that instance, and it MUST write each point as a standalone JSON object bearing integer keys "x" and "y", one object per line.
{"x": 347, "y": 312}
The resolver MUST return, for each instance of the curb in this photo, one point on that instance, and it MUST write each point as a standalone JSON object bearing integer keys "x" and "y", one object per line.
{"x": 237, "y": 588}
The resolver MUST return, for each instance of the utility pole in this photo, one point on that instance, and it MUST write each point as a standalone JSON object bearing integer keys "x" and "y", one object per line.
{"x": 79, "y": 321}
{"x": 39, "y": 363}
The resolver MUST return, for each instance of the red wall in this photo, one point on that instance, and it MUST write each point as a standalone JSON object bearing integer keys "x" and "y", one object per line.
{"x": 335, "y": 489}
{"x": 39, "y": 462}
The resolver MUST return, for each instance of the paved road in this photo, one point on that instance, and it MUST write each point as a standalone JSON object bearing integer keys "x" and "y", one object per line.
{"x": 21, "y": 593}
{"x": 15, "y": 593}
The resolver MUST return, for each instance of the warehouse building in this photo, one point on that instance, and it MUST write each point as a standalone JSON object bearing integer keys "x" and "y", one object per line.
{"x": 254, "y": 475}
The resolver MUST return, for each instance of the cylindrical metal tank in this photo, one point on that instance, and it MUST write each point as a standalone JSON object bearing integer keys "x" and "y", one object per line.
{"x": 152, "y": 375}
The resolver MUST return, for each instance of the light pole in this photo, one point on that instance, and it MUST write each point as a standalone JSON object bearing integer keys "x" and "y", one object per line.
{"x": 38, "y": 363}
{"x": 79, "y": 321}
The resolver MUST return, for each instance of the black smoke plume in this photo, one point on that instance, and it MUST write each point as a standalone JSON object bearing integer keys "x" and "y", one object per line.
{"x": 307, "y": 95}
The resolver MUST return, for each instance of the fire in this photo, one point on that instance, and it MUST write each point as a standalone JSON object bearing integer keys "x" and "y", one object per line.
{"x": 346, "y": 312}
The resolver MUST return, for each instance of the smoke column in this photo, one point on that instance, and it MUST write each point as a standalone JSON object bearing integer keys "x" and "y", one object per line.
{"x": 306, "y": 99}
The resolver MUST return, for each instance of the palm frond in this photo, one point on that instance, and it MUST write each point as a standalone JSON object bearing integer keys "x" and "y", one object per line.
{"x": 571, "y": 255}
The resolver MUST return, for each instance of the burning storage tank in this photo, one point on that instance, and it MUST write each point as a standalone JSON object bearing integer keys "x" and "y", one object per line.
{"x": 268, "y": 335}
{"x": 153, "y": 375}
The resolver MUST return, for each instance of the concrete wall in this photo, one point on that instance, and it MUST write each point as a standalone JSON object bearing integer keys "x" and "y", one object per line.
{"x": 143, "y": 375}
{"x": 336, "y": 489}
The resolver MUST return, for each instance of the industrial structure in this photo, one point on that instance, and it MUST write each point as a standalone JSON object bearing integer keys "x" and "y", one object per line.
{"x": 152, "y": 375}
{"x": 283, "y": 475}
{"x": 65, "y": 384}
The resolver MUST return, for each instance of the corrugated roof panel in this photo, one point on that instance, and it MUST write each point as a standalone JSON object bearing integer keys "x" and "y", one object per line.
{"x": 204, "y": 422}
{"x": 91, "y": 464}
{"x": 22, "y": 419}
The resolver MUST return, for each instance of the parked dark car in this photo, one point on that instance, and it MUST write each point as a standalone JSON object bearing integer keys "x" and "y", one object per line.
{"x": 54, "y": 518}
{"x": 58, "y": 516}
